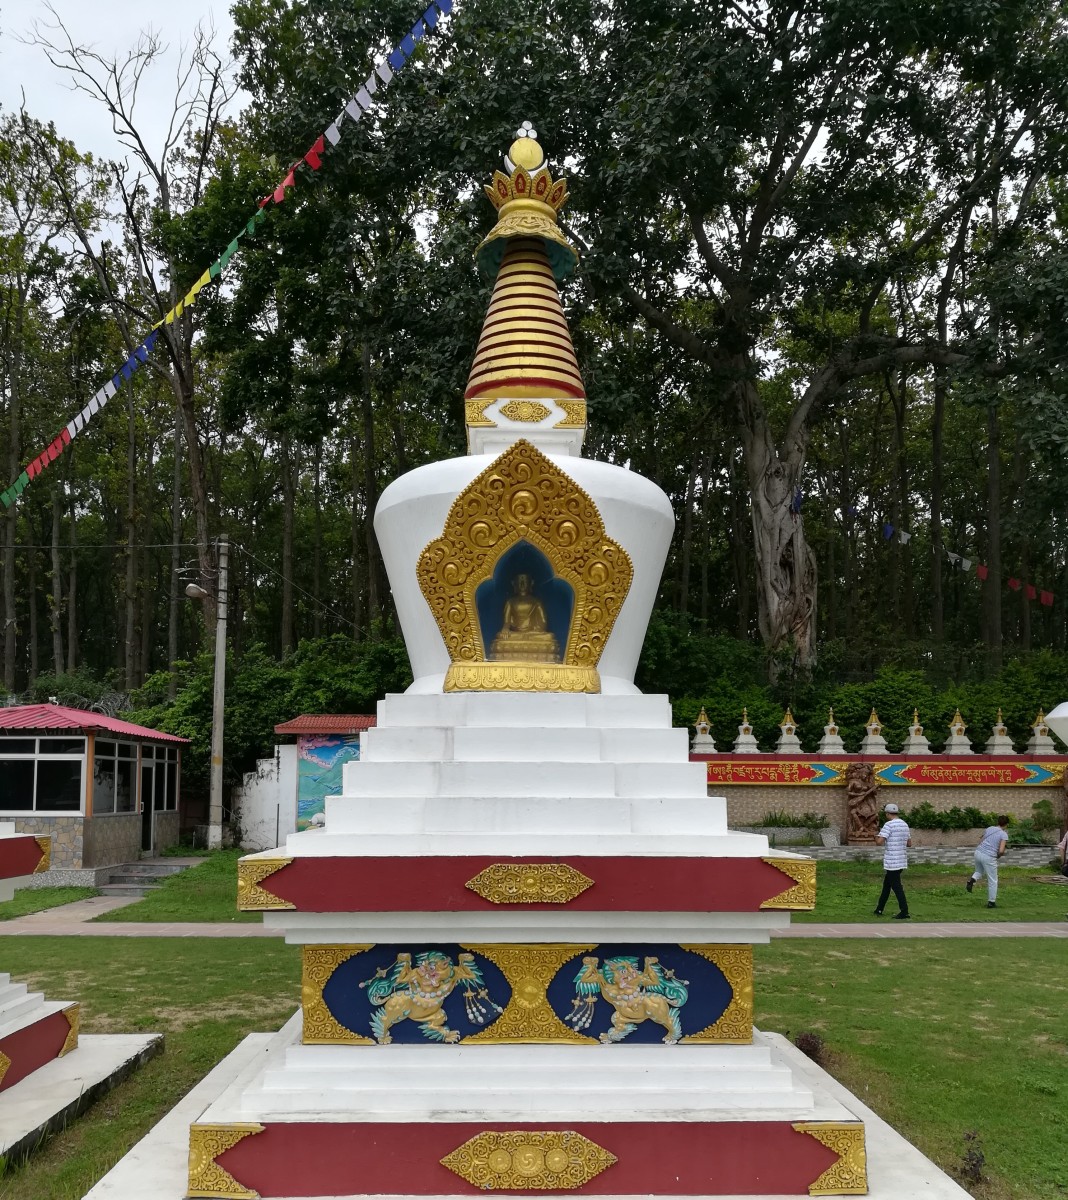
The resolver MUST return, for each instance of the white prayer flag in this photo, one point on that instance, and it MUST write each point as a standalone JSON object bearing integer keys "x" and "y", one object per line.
{"x": 72, "y": 429}
{"x": 903, "y": 537}
{"x": 333, "y": 134}
{"x": 95, "y": 405}
{"x": 109, "y": 389}
{"x": 354, "y": 110}
{"x": 953, "y": 558}
{"x": 966, "y": 564}
{"x": 371, "y": 83}
{"x": 385, "y": 72}
{"x": 363, "y": 99}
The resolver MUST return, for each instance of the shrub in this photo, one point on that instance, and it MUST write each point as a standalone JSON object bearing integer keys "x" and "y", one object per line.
{"x": 1024, "y": 833}
{"x": 812, "y": 1045}
{"x": 1043, "y": 816}
{"x": 780, "y": 819}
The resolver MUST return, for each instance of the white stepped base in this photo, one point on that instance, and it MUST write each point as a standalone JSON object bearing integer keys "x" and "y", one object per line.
{"x": 467, "y": 743}
{"x": 519, "y": 1083}
{"x": 16, "y": 1000}
{"x": 479, "y": 815}
{"x": 158, "y": 1165}
{"x": 526, "y": 927}
{"x": 524, "y": 709}
{"x": 682, "y": 843}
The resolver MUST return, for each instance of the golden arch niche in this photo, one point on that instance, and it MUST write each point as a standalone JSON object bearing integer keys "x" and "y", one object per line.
{"x": 524, "y": 583}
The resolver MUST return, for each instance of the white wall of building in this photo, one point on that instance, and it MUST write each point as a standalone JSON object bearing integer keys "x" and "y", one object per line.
{"x": 266, "y": 802}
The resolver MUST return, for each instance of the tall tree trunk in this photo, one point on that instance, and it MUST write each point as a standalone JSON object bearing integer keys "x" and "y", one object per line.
{"x": 176, "y": 562}
{"x": 72, "y": 585}
{"x": 289, "y": 640}
{"x": 56, "y": 614}
{"x": 687, "y": 539}
{"x": 740, "y": 538}
{"x": 705, "y": 536}
{"x": 130, "y": 597}
{"x": 31, "y": 584}
{"x": 370, "y": 489}
{"x": 357, "y": 540}
{"x": 786, "y": 566}
{"x": 937, "y": 550}
{"x": 317, "y": 552}
{"x": 993, "y": 522}
{"x": 10, "y": 531}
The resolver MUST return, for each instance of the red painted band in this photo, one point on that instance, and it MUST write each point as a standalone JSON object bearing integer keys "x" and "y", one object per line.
{"x": 673, "y": 1158}
{"x": 621, "y": 884}
{"x": 32, "y": 1046}
{"x": 19, "y": 856}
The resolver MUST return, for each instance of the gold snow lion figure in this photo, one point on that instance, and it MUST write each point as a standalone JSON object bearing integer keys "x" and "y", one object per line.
{"x": 637, "y": 995}
{"x": 407, "y": 992}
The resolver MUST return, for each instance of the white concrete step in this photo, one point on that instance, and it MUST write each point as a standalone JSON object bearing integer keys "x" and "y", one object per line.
{"x": 523, "y": 709}
{"x": 560, "y": 816}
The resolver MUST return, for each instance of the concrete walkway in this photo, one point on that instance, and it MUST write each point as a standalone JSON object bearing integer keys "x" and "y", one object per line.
{"x": 77, "y": 920}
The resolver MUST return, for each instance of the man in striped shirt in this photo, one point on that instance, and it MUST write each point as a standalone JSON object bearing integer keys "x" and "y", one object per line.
{"x": 895, "y": 838}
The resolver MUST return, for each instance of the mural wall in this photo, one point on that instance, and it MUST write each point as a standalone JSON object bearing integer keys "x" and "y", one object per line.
{"x": 320, "y": 759}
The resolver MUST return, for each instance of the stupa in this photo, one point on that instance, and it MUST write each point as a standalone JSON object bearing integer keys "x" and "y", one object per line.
{"x": 526, "y": 930}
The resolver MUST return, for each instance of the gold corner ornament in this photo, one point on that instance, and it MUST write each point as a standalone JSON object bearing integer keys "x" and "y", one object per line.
{"x": 475, "y": 414}
{"x": 849, "y": 1175}
{"x": 529, "y": 883}
{"x": 526, "y": 1159}
{"x": 320, "y": 1026}
{"x": 73, "y": 1013}
{"x": 574, "y": 414}
{"x": 802, "y": 895}
{"x": 206, "y": 1144}
{"x": 44, "y": 844}
{"x": 524, "y": 496}
{"x": 734, "y": 1026}
{"x": 5, "y": 1065}
{"x": 252, "y": 896}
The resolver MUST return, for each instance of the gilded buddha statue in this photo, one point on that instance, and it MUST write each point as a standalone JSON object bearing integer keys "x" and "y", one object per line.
{"x": 525, "y": 635}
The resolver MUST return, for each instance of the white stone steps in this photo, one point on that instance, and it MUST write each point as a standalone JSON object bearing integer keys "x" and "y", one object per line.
{"x": 523, "y": 709}
{"x": 488, "y": 816}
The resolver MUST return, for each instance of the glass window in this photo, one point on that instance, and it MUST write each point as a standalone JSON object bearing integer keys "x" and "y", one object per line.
{"x": 125, "y": 791}
{"x": 59, "y": 786}
{"x": 160, "y": 788}
{"x": 10, "y": 745}
{"x": 127, "y": 750}
{"x": 172, "y": 785}
{"x": 103, "y": 784}
{"x": 16, "y": 784}
{"x": 55, "y": 745}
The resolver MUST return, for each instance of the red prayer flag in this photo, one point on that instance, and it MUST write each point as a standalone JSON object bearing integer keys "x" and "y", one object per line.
{"x": 33, "y": 469}
{"x": 279, "y": 193}
{"x": 1032, "y": 592}
{"x": 312, "y": 157}
{"x": 982, "y": 571}
{"x": 52, "y": 453}
{"x": 1046, "y": 598}
{"x": 265, "y": 201}
{"x": 65, "y": 435}
{"x": 291, "y": 179}
{"x": 1014, "y": 584}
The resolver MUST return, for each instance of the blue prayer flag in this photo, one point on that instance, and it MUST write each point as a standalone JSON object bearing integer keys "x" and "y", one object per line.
{"x": 888, "y": 531}
{"x": 397, "y": 59}
{"x": 431, "y": 17}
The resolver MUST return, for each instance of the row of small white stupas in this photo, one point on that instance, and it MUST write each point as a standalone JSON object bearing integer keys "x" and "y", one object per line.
{"x": 873, "y": 742}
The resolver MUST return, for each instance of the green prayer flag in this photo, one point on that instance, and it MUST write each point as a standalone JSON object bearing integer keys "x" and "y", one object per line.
{"x": 18, "y": 486}
{"x": 216, "y": 268}
{"x": 24, "y": 479}
{"x": 7, "y": 499}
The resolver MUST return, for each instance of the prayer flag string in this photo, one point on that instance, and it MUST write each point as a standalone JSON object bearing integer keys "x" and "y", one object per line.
{"x": 354, "y": 110}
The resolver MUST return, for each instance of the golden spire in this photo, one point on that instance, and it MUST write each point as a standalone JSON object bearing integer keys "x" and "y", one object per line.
{"x": 525, "y": 355}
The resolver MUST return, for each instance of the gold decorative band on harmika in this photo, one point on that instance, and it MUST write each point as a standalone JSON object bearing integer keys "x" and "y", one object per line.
{"x": 801, "y": 895}
{"x": 849, "y": 1175}
{"x": 252, "y": 896}
{"x": 529, "y": 883}
{"x": 206, "y": 1177}
{"x": 521, "y": 677}
{"x": 517, "y": 1160}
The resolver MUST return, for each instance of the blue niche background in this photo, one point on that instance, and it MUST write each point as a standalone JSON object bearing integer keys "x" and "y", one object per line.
{"x": 709, "y": 993}
{"x": 350, "y": 1004}
{"x": 556, "y": 594}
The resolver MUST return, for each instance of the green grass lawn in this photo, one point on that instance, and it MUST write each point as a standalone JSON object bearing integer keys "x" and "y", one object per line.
{"x": 206, "y": 892}
{"x": 848, "y": 891}
{"x": 938, "y": 1037}
{"x": 31, "y": 900}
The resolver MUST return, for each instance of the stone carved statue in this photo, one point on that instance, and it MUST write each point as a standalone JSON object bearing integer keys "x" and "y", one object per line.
{"x": 862, "y": 802}
{"x": 525, "y": 635}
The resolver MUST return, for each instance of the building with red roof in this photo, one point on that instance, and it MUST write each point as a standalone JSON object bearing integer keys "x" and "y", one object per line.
{"x": 104, "y": 790}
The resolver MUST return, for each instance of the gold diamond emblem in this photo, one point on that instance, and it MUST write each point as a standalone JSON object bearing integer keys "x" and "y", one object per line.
{"x": 557, "y": 1160}
{"x": 529, "y": 883}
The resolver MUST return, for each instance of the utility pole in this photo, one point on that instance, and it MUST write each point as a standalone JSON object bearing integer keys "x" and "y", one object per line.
{"x": 215, "y": 810}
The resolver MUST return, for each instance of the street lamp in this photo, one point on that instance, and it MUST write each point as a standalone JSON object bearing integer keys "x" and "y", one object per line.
{"x": 218, "y": 705}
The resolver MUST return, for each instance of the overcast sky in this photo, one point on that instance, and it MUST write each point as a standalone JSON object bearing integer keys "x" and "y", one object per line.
{"x": 112, "y": 28}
